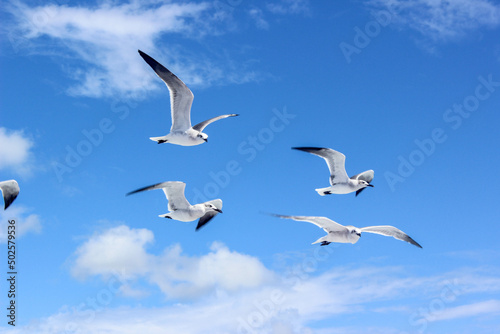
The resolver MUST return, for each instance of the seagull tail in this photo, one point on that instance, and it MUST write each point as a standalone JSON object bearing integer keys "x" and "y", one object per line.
{"x": 159, "y": 140}
{"x": 319, "y": 240}
{"x": 324, "y": 191}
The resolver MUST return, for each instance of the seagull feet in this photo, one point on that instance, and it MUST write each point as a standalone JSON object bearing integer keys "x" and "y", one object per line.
{"x": 161, "y": 141}
{"x": 168, "y": 217}
{"x": 327, "y": 193}
{"x": 324, "y": 243}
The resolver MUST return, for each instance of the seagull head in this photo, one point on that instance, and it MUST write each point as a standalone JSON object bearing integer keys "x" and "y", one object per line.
{"x": 203, "y": 136}
{"x": 354, "y": 234}
{"x": 210, "y": 206}
{"x": 365, "y": 184}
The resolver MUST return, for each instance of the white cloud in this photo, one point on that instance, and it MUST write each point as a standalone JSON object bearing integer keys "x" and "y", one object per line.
{"x": 103, "y": 42}
{"x": 15, "y": 151}
{"x": 442, "y": 19}
{"x": 489, "y": 307}
{"x": 25, "y": 222}
{"x": 117, "y": 250}
{"x": 258, "y": 16}
{"x": 290, "y": 304}
{"x": 289, "y": 7}
{"x": 121, "y": 250}
{"x": 236, "y": 293}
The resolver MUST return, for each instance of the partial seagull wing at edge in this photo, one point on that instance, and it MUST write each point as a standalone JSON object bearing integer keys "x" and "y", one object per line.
{"x": 10, "y": 190}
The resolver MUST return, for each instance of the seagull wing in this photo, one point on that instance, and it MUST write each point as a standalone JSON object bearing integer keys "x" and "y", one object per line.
{"x": 174, "y": 190}
{"x": 390, "y": 231}
{"x": 10, "y": 190}
{"x": 209, "y": 215}
{"x": 335, "y": 161}
{"x": 326, "y": 224}
{"x": 181, "y": 97}
{"x": 365, "y": 176}
{"x": 202, "y": 125}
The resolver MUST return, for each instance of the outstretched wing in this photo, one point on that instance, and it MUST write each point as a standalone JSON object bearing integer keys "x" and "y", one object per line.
{"x": 10, "y": 190}
{"x": 365, "y": 176}
{"x": 209, "y": 215}
{"x": 326, "y": 224}
{"x": 390, "y": 231}
{"x": 181, "y": 97}
{"x": 202, "y": 125}
{"x": 335, "y": 161}
{"x": 174, "y": 190}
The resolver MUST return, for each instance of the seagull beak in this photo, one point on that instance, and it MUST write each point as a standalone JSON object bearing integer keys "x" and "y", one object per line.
{"x": 218, "y": 210}
{"x": 370, "y": 185}
{"x": 206, "y": 139}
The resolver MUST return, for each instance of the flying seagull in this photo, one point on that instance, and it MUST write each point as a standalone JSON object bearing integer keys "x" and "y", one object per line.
{"x": 340, "y": 182}
{"x": 10, "y": 190}
{"x": 349, "y": 234}
{"x": 181, "y": 98}
{"x": 179, "y": 207}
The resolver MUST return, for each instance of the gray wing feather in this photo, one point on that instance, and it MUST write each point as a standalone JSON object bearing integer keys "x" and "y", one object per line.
{"x": 325, "y": 223}
{"x": 174, "y": 191}
{"x": 334, "y": 159}
{"x": 390, "y": 231}
{"x": 10, "y": 190}
{"x": 206, "y": 218}
{"x": 181, "y": 97}
{"x": 203, "y": 125}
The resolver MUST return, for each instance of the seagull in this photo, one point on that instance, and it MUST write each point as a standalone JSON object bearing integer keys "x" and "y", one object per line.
{"x": 349, "y": 234}
{"x": 340, "y": 182}
{"x": 10, "y": 190}
{"x": 181, "y": 98}
{"x": 179, "y": 207}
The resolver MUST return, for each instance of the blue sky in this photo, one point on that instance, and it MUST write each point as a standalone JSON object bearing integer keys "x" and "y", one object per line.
{"x": 408, "y": 89}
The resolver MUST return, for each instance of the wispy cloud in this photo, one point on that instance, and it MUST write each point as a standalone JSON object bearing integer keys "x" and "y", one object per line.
{"x": 97, "y": 45}
{"x": 25, "y": 221}
{"x": 15, "y": 151}
{"x": 488, "y": 307}
{"x": 258, "y": 16}
{"x": 442, "y": 20}
{"x": 289, "y": 7}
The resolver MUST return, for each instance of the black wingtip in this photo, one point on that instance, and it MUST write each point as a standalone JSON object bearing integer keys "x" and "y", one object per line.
{"x": 9, "y": 201}
{"x": 142, "y": 189}
{"x": 308, "y": 149}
